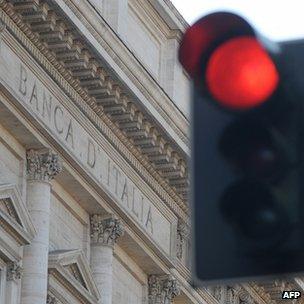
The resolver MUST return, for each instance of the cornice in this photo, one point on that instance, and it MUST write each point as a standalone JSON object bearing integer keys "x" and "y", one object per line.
{"x": 87, "y": 104}
{"x": 152, "y": 18}
{"x": 144, "y": 126}
{"x": 126, "y": 61}
{"x": 169, "y": 12}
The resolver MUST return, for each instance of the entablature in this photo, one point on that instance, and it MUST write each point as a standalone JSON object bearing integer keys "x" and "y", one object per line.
{"x": 116, "y": 186}
{"x": 64, "y": 46}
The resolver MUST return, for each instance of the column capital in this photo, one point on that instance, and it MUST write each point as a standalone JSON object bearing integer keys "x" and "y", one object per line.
{"x": 14, "y": 271}
{"x": 162, "y": 289}
{"x": 42, "y": 165}
{"x": 105, "y": 231}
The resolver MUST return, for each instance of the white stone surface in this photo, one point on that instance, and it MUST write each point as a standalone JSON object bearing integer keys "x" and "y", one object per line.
{"x": 10, "y": 166}
{"x": 35, "y": 259}
{"x": 66, "y": 231}
{"x": 102, "y": 270}
{"x": 116, "y": 13}
{"x": 126, "y": 288}
{"x": 146, "y": 46}
{"x": 87, "y": 149}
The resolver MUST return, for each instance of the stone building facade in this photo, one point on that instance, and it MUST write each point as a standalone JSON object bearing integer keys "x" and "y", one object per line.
{"x": 93, "y": 158}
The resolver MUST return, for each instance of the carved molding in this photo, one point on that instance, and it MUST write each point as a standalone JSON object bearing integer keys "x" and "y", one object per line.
{"x": 162, "y": 289}
{"x": 105, "y": 231}
{"x": 183, "y": 232}
{"x": 70, "y": 269}
{"x": 177, "y": 13}
{"x": 14, "y": 217}
{"x": 216, "y": 292}
{"x": 103, "y": 93}
{"x": 6, "y": 205}
{"x": 51, "y": 300}
{"x": 271, "y": 291}
{"x": 42, "y": 165}
{"x": 14, "y": 271}
{"x": 19, "y": 24}
{"x": 231, "y": 294}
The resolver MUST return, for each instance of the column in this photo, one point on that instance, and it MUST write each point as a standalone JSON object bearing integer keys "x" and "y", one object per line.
{"x": 104, "y": 233}
{"x": 42, "y": 167}
{"x": 162, "y": 289}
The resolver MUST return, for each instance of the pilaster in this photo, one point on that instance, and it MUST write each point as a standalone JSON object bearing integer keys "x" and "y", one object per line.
{"x": 104, "y": 234}
{"x": 42, "y": 167}
{"x": 13, "y": 276}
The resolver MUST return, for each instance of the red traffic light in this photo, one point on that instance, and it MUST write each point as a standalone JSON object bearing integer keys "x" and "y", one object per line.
{"x": 201, "y": 36}
{"x": 222, "y": 53}
{"x": 240, "y": 74}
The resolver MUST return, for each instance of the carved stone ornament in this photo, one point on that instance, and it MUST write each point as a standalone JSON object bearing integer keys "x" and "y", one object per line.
{"x": 105, "y": 231}
{"x": 245, "y": 297}
{"x": 182, "y": 234}
{"x": 216, "y": 292}
{"x": 42, "y": 165}
{"x": 162, "y": 289}
{"x": 51, "y": 300}
{"x": 238, "y": 295}
{"x": 14, "y": 271}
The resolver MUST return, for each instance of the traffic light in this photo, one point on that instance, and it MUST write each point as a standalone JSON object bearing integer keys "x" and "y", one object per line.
{"x": 247, "y": 150}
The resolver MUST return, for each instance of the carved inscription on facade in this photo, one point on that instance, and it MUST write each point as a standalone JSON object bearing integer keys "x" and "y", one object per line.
{"x": 46, "y": 108}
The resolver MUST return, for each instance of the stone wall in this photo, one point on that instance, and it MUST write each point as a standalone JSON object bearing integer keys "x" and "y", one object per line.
{"x": 152, "y": 42}
{"x": 126, "y": 288}
{"x": 66, "y": 231}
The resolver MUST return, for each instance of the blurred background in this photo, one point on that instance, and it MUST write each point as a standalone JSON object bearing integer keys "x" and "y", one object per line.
{"x": 278, "y": 20}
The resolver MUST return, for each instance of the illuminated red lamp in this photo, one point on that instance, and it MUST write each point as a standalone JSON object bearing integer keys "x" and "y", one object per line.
{"x": 240, "y": 74}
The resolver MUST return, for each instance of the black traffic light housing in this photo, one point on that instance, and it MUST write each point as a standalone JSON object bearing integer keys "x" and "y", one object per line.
{"x": 247, "y": 150}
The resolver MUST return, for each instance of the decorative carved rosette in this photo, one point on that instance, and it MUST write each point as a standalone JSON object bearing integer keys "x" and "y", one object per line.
{"x": 182, "y": 235}
{"x": 245, "y": 297}
{"x": 42, "y": 165}
{"x": 105, "y": 231}
{"x": 237, "y": 295}
{"x": 14, "y": 271}
{"x": 162, "y": 289}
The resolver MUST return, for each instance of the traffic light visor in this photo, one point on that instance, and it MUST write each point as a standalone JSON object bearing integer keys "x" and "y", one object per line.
{"x": 205, "y": 34}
